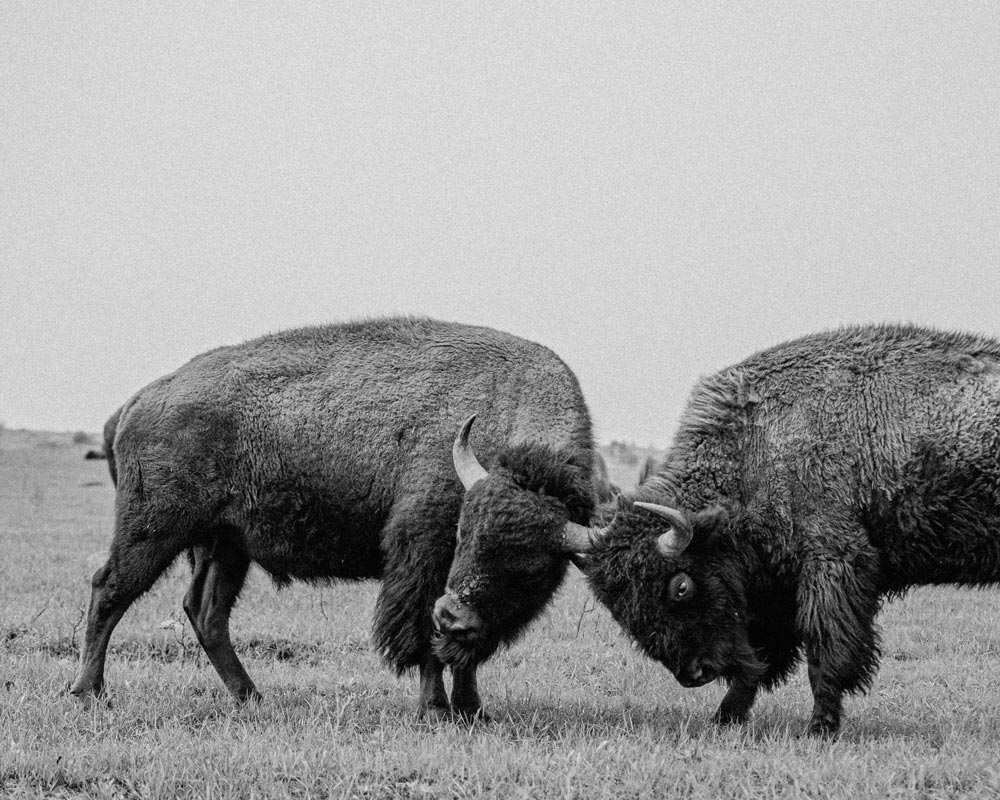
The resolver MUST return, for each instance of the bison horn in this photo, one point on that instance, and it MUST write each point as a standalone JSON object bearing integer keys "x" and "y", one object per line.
{"x": 469, "y": 470}
{"x": 579, "y": 539}
{"x": 675, "y": 541}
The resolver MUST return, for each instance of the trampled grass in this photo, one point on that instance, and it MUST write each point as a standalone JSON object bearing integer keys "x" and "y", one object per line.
{"x": 576, "y": 711}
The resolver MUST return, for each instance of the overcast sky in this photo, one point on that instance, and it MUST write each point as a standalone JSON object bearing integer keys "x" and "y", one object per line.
{"x": 654, "y": 190}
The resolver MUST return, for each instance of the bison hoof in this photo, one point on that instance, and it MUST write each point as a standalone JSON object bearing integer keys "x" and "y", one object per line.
{"x": 249, "y": 697}
{"x": 91, "y": 699}
{"x": 87, "y": 692}
{"x": 434, "y": 714}
{"x": 725, "y": 716}
{"x": 822, "y": 727}
{"x": 472, "y": 715}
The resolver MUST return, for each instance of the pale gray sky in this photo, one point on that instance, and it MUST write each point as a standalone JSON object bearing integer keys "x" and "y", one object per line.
{"x": 653, "y": 190}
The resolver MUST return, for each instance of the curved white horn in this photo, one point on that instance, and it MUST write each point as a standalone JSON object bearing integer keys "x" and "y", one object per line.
{"x": 579, "y": 538}
{"x": 469, "y": 470}
{"x": 675, "y": 541}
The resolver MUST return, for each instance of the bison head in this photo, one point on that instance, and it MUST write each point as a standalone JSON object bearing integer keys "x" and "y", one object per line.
{"x": 519, "y": 523}
{"x": 675, "y": 582}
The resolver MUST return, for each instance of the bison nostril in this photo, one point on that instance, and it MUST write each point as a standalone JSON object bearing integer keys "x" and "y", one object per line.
{"x": 447, "y": 615}
{"x": 442, "y": 616}
{"x": 450, "y": 616}
{"x": 455, "y": 619}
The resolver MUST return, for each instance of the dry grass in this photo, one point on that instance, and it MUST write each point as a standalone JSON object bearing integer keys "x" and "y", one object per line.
{"x": 577, "y": 712}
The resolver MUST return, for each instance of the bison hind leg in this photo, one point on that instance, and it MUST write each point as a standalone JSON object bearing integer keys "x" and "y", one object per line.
{"x": 218, "y": 575}
{"x": 134, "y": 564}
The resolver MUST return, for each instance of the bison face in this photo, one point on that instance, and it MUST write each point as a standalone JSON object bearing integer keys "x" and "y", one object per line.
{"x": 510, "y": 555}
{"x": 506, "y": 568}
{"x": 677, "y": 587}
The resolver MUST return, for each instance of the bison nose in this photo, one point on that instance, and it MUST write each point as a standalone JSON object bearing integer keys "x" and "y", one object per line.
{"x": 695, "y": 673}
{"x": 455, "y": 619}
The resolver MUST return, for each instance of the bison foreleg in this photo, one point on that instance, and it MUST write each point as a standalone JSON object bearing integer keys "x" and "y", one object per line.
{"x": 772, "y": 637}
{"x": 780, "y": 656}
{"x": 433, "y": 702}
{"x": 736, "y": 705}
{"x": 465, "y": 699}
{"x": 837, "y": 607}
{"x": 216, "y": 582}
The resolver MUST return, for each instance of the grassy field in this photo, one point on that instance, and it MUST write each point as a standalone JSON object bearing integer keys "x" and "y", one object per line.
{"x": 576, "y": 711}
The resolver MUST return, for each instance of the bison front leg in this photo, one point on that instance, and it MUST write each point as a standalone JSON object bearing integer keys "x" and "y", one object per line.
{"x": 780, "y": 654}
{"x": 432, "y": 705}
{"x": 736, "y": 705}
{"x": 465, "y": 700}
{"x": 417, "y": 545}
{"x": 837, "y": 607}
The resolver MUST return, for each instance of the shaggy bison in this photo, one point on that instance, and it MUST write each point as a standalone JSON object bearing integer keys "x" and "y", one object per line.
{"x": 803, "y": 486}
{"x": 324, "y": 453}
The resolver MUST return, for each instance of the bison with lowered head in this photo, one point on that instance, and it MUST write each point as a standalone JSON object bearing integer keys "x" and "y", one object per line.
{"x": 803, "y": 486}
{"x": 325, "y": 453}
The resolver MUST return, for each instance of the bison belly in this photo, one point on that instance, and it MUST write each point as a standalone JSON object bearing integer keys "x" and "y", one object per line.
{"x": 300, "y": 536}
{"x": 943, "y": 523}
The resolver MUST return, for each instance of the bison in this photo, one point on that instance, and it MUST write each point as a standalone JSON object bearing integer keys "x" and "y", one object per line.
{"x": 324, "y": 453}
{"x": 804, "y": 486}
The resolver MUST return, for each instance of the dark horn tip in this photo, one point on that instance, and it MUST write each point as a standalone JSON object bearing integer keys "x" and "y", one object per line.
{"x": 463, "y": 432}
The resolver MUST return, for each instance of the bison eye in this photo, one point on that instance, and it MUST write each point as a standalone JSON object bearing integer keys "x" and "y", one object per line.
{"x": 681, "y": 587}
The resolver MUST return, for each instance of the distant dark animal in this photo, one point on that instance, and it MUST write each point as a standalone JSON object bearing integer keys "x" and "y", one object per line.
{"x": 804, "y": 485}
{"x": 94, "y": 455}
{"x": 322, "y": 453}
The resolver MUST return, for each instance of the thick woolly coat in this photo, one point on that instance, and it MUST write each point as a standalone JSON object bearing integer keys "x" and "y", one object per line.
{"x": 325, "y": 452}
{"x": 849, "y": 465}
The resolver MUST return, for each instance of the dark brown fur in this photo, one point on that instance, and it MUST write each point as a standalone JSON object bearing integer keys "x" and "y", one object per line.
{"x": 820, "y": 476}
{"x": 505, "y": 569}
{"x": 319, "y": 453}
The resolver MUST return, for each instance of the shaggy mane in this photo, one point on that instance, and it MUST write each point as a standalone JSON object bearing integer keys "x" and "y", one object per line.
{"x": 565, "y": 475}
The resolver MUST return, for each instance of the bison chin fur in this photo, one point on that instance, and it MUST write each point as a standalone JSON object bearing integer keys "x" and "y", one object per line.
{"x": 742, "y": 665}
{"x": 463, "y": 655}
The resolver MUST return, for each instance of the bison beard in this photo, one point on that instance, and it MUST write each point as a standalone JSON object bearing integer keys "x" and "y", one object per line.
{"x": 459, "y": 655}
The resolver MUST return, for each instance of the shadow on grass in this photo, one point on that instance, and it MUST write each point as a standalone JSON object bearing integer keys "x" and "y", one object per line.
{"x": 361, "y": 699}
{"x": 21, "y": 641}
{"x": 57, "y": 782}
